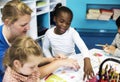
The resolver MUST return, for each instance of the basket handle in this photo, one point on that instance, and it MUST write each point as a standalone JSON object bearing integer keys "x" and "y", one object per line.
{"x": 108, "y": 59}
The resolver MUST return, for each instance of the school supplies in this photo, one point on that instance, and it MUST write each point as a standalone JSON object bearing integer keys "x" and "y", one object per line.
{"x": 101, "y": 45}
{"x": 109, "y": 73}
{"x": 54, "y": 78}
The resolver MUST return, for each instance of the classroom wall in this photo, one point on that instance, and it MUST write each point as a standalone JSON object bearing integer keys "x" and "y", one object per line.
{"x": 79, "y": 8}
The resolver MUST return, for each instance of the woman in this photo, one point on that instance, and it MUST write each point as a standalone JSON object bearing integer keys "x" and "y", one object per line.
{"x": 16, "y": 17}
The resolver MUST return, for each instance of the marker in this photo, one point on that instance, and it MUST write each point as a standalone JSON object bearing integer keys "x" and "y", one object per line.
{"x": 99, "y": 45}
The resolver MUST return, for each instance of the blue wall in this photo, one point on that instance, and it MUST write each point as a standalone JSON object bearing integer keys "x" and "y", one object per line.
{"x": 79, "y": 8}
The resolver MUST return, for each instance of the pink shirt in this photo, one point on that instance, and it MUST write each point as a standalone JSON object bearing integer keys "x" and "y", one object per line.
{"x": 13, "y": 76}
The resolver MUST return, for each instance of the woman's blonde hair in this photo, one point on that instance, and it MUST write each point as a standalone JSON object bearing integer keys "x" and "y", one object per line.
{"x": 21, "y": 48}
{"x": 13, "y": 9}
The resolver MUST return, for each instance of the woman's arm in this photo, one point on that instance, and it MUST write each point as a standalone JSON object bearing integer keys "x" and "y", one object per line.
{"x": 51, "y": 67}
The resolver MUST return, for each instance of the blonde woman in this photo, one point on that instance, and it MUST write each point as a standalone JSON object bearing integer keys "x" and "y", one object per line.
{"x": 16, "y": 17}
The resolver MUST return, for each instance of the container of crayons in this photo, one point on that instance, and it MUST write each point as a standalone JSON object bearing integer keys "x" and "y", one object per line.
{"x": 108, "y": 73}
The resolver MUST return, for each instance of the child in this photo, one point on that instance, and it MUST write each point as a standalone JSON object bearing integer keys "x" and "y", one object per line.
{"x": 21, "y": 61}
{"x": 23, "y": 58}
{"x": 60, "y": 40}
{"x": 114, "y": 48}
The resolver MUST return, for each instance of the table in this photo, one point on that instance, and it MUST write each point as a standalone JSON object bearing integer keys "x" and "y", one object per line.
{"x": 69, "y": 75}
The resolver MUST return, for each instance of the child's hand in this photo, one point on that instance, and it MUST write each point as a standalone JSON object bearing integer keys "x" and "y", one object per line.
{"x": 105, "y": 46}
{"x": 110, "y": 49}
{"x": 61, "y": 56}
{"x": 70, "y": 63}
{"x": 88, "y": 70}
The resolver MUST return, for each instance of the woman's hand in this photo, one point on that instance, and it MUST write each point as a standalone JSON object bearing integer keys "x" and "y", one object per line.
{"x": 61, "y": 56}
{"x": 69, "y": 62}
{"x": 50, "y": 59}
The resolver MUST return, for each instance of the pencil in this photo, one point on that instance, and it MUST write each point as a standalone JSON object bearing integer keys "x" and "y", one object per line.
{"x": 99, "y": 45}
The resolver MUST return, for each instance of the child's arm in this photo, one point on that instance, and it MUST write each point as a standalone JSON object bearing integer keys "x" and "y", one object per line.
{"x": 51, "y": 67}
{"x": 88, "y": 70}
{"x": 46, "y": 61}
{"x": 46, "y": 46}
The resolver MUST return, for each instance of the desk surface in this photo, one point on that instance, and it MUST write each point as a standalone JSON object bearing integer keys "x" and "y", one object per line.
{"x": 69, "y": 75}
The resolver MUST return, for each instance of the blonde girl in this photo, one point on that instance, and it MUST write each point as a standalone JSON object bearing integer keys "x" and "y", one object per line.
{"x": 22, "y": 60}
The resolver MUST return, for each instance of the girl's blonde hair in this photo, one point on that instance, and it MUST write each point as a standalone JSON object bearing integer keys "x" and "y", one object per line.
{"x": 21, "y": 48}
{"x": 13, "y": 9}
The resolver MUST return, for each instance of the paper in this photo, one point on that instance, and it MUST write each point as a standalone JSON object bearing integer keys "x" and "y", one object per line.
{"x": 55, "y": 78}
{"x": 65, "y": 74}
{"x": 69, "y": 74}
